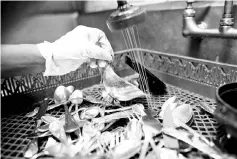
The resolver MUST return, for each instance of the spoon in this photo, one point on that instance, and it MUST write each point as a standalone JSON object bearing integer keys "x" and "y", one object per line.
{"x": 168, "y": 121}
{"x": 151, "y": 126}
{"x": 61, "y": 94}
{"x": 45, "y": 128}
{"x": 87, "y": 98}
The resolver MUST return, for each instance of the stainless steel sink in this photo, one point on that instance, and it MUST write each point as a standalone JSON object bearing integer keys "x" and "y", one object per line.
{"x": 191, "y": 80}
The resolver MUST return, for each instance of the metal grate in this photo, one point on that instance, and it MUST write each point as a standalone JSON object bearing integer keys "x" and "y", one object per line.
{"x": 16, "y": 127}
{"x": 198, "y": 70}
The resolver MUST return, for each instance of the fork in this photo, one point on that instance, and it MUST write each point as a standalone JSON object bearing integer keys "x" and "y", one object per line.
{"x": 33, "y": 148}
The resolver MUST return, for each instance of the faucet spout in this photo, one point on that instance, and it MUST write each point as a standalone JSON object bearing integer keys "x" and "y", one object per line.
{"x": 225, "y": 30}
{"x": 191, "y": 28}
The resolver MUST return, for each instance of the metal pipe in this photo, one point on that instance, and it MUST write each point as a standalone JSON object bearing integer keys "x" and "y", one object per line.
{"x": 228, "y": 8}
{"x": 192, "y": 29}
{"x": 225, "y": 30}
{"x": 227, "y": 18}
{"x": 121, "y": 3}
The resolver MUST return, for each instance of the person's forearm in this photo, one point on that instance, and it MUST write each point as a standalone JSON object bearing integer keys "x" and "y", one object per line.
{"x": 22, "y": 56}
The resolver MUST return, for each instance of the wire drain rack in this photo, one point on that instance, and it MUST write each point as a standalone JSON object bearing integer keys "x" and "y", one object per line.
{"x": 15, "y": 128}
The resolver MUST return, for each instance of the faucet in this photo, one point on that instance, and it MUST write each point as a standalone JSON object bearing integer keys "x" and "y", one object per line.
{"x": 225, "y": 30}
{"x": 125, "y": 16}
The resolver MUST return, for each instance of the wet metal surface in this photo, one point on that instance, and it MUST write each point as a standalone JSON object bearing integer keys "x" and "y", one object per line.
{"x": 15, "y": 128}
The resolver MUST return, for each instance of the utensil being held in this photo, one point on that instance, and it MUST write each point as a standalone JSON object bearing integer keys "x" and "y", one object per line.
{"x": 117, "y": 87}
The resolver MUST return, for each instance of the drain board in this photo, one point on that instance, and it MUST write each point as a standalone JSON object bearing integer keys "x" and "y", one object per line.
{"x": 16, "y": 127}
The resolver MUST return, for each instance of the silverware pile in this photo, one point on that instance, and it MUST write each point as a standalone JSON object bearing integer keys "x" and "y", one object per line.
{"x": 94, "y": 132}
{"x": 114, "y": 131}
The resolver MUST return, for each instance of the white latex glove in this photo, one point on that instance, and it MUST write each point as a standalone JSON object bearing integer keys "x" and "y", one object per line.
{"x": 82, "y": 44}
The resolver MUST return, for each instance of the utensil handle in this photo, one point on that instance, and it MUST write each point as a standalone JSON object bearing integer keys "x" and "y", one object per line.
{"x": 42, "y": 109}
{"x": 210, "y": 143}
{"x": 155, "y": 148}
{"x": 207, "y": 108}
{"x": 144, "y": 149}
{"x": 67, "y": 114}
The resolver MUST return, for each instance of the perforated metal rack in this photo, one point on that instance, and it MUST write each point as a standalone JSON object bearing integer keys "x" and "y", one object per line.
{"x": 14, "y": 128}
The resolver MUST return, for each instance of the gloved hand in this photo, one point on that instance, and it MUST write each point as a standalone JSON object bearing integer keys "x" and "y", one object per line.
{"x": 82, "y": 44}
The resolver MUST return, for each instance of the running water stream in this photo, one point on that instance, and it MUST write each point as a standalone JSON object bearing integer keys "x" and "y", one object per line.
{"x": 132, "y": 41}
